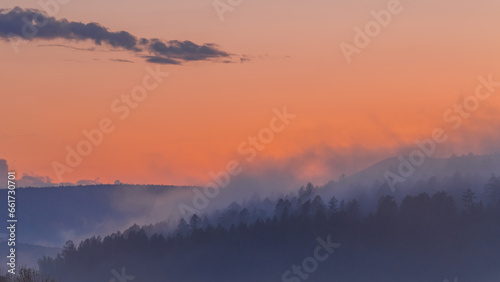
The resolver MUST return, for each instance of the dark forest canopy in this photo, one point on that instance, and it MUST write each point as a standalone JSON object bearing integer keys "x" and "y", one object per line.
{"x": 425, "y": 237}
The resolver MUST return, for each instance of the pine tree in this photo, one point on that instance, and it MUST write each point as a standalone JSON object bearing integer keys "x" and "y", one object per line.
{"x": 182, "y": 228}
{"x": 468, "y": 200}
{"x": 194, "y": 222}
{"x": 332, "y": 206}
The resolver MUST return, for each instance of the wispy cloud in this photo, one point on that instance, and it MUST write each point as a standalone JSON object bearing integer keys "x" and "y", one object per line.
{"x": 66, "y": 46}
{"x": 31, "y": 179}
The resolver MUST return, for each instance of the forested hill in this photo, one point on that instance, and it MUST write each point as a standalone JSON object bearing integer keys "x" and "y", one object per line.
{"x": 425, "y": 237}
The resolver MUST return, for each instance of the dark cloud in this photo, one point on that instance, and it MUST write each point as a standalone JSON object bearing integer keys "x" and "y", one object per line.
{"x": 162, "y": 60}
{"x": 185, "y": 50}
{"x": 121, "y": 61}
{"x": 33, "y": 24}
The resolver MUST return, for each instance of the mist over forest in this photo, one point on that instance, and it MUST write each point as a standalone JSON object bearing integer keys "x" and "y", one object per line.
{"x": 442, "y": 221}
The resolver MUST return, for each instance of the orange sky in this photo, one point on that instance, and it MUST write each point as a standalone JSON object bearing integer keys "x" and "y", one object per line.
{"x": 394, "y": 91}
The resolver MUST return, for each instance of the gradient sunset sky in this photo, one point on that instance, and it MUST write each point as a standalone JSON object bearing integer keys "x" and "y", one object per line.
{"x": 279, "y": 53}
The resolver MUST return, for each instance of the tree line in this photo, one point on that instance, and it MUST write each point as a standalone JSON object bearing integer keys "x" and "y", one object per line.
{"x": 423, "y": 238}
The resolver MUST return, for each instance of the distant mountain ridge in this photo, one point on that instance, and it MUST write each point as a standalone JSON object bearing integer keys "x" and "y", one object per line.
{"x": 482, "y": 165}
{"x": 480, "y": 168}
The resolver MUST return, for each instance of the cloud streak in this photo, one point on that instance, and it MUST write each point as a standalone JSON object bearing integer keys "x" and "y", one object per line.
{"x": 66, "y": 46}
{"x": 32, "y": 24}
